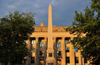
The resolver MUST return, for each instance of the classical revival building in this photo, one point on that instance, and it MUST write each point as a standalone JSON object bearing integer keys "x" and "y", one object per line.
{"x": 49, "y": 45}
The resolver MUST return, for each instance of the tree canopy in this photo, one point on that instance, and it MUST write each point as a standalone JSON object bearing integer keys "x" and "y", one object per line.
{"x": 15, "y": 28}
{"x": 88, "y": 23}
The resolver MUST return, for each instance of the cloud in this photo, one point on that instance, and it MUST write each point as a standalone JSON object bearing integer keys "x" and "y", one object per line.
{"x": 11, "y": 7}
{"x": 63, "y": 10}
{"x": 53, "y": 1}
{"x": 36, "y": 6}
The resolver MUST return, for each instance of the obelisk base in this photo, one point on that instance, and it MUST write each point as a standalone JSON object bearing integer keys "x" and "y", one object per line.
{"x": 50, "y": 61}
{"x": 50, "y": 57}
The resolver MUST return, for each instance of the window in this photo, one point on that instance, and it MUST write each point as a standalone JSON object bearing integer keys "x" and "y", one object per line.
{"x": 33, "y": 49}
{"x": 66, "y": 41}
{"x": 24, "y": 60}
{"x": 41, "y": 53}
{"x": 85, "y": 60}
{"x": 76, "y": 60}
{"x": 75, "y": 42}
{"x": 58, "y": 53}
{"x": 33, "y": 41}
{"x": 41, "y": 44}
{"x": 75, "y": 49}
{"x": 67, "y": 49}
{"x": 32, "y": 59}
{"x": 58, "y": 44}
{"x": 67, "y": 60}
{"x": 24, "y": 57}
{"x": 25, "y": 42}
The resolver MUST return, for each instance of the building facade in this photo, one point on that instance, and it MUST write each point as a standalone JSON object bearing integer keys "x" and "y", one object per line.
{"x": 50, "y": 45}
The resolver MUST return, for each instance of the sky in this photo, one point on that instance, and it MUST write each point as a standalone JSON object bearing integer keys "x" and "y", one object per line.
{"x": 63, "y": 11}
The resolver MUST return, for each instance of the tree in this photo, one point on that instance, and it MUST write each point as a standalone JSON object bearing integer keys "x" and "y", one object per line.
{"x": 14, "y": 29}
{"x": 88, "y": 24}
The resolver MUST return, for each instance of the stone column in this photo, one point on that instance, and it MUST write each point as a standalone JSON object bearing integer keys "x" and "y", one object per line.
{"x": 45, "y": 48}
{"x": 63, "y": 51}
{"x": 37, "y": 51}
{"x": 72, "y": 54}
{"x": 55, "y": 49}
{"x": 28, "y": 62}
{"x": 83, "y": 61}
{"x": 80, "y": 57}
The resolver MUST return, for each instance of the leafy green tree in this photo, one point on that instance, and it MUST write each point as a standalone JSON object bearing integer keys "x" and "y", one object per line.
{"x": 14, "y": 29}
{"x": 88, "y": 24}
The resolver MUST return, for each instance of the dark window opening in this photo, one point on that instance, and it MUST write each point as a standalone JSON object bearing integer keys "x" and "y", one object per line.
{"x": 41, "y": 44}
{"x": 58, "y": 53}
{"x": 67, "y": 49}
{"x": 32, "y": 59}
{"x": 66, "y": 41}
{"x": 33, "y": 42}
{"x": 58, "y": 44}
{"x": 75, "y": 49}
{"x": 85, "y": 60}
{"x": 76, "y": 60}
{"x": 67, "y": 60}
{"x": 41, "y": 53}
{"x": 33, "y": 49}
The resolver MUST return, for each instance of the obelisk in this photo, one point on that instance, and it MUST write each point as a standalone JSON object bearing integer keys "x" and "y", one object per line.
{"x": 50, "y": 43}
{"x": 50, "y": 60}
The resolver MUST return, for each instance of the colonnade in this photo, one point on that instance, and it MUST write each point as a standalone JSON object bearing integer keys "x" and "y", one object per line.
{"x": 70, "y": 54}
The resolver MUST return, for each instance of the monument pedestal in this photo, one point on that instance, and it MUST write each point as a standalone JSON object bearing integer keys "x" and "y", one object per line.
{"x": 50, "y": 62}
{"x": 50, "y": 57}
